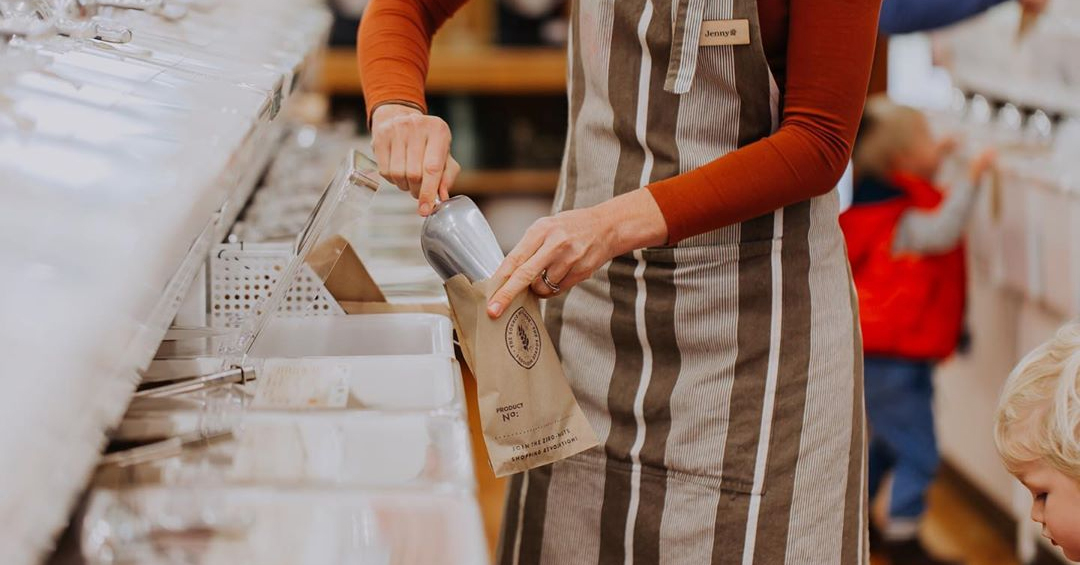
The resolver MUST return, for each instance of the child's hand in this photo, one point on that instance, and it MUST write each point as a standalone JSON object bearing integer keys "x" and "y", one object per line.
{"x": 948, "y": 145}
{"x": 981, "y": 164}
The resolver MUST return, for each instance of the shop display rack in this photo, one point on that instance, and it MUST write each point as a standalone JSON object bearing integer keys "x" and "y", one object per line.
{"x": 131, "y": 134}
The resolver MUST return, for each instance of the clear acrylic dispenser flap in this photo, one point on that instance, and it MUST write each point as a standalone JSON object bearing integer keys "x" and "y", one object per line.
{"x": 344, "y": 205}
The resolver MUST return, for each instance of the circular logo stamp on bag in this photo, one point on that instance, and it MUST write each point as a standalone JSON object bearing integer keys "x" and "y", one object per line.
{"x": 523, "y": 338}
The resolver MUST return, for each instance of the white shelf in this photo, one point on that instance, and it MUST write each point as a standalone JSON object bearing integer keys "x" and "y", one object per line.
{"x": 102, "y": 231}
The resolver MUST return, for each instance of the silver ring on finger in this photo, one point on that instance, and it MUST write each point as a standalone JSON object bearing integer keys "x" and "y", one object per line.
{"x": 555, "y": 288}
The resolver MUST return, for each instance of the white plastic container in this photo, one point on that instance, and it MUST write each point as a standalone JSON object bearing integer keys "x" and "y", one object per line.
{"x": 1019, "y": 238}
{"x": 211, "y": 526}
{"x": 354, "y": 449}
{"x": 430, "y": 384}
{"x": 1060, "y": 240}
{"x": 349, "y": 336}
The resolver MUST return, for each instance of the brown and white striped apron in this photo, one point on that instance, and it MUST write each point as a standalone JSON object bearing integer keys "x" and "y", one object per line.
{"x": 723, "y": 376}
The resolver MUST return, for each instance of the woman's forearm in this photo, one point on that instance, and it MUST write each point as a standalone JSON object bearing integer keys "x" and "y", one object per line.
{"x": 632, "y": 221}
{"x": 393, "y": 46}
{"x": 830, "y": 52}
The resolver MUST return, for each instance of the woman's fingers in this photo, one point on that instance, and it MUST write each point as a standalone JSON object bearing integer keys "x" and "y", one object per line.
{"x": 528, "y": 246}
{"x": 519, "y": 266}
{"x": 449, "y": 176}
{"x": 519, "y": 281}
{"x": 556, "y": 274}
{"x": 432, "y": 169}
{"x": 380, "y": 146}
{"x": 413, "y": 152}
{"x": 414, "y": 160}
{"x": 398, "y": 156}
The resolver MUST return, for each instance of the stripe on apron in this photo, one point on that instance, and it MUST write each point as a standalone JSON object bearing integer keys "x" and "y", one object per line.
{"x": 856, "y": 524}
{"x": 731, "y": 515}
{"x": 772, "y": 374}
{"x": 735, "y": 536}
{"x": 820, "y": 508}
{"x": 621, "y": 392}
{"x": 531, "y": 540}
{"x": 568, "y": 180}
{"x": 588, "y": 362}
{"x": 642, "y": 334}
{"x": 753, "y": 84}
{"x": 573, "y": 513}
{"x": 755, "y": 272}
{"x": 706, "y": 318}
{"x": 709, "y": 117}
{"x": 624, "y": 91}
{"x": 576, "y": 93}
{"x": 656, "y": 316}
{"x": 744, "y": 427}
{"x": 511, "y": 528}
{"x": 783, "y": 453}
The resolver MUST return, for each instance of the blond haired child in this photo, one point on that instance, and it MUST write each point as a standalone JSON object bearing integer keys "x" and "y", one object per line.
{"x": 1037, "y": 430}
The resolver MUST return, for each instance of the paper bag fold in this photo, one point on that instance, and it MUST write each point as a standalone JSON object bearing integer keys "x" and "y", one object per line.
{"x": 343, "y": 273}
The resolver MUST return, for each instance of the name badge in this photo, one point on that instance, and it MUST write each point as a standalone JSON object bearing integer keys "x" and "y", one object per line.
{"x": 725, "y": 32}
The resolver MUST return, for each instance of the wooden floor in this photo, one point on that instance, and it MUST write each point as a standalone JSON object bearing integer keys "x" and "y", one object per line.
{"x": 953, "y": 528}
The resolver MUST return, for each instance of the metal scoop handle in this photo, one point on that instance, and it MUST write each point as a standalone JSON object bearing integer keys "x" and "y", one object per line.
{"x": 236, "y": 375}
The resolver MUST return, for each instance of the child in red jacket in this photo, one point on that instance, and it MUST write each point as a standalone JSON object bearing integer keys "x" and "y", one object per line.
{"x": 904, "y": 239}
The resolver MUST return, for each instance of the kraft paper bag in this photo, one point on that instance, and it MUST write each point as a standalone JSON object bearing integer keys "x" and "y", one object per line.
{"x": 528, "y": 413}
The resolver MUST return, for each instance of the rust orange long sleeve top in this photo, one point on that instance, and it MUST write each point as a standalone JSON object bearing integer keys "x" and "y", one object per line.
{"x": 821, "y": 52}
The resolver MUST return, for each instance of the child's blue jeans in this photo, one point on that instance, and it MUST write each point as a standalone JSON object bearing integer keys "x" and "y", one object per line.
{"x": 899, "y": 405}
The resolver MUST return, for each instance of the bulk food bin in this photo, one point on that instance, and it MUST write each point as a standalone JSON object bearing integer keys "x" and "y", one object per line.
{"x": 346, "y": 336}
{"x": 401, "y": 361}
{"x": 1059, "y": 234}
{"x": 231, "y": 525}
{"x": 386, "y": 384}
{"x": 348, "y": 449}
{"x": 1019, "y": 249}
{"x": 307, "y": 332}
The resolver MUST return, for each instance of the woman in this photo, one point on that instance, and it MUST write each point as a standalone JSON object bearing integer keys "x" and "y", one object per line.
{"x": 700, "y": 294}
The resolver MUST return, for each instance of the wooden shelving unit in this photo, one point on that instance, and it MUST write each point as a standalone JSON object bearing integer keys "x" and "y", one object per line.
{"x": 483, "y": 69}
{"x": 537, "y": 182}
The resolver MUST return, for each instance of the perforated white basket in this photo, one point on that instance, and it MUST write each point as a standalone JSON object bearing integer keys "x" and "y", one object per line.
{"x": 242, "y": 275}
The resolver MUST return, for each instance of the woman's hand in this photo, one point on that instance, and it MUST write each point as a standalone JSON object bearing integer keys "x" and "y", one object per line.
{"x": 413, "y": 152}
{"x": 571, "y": 245}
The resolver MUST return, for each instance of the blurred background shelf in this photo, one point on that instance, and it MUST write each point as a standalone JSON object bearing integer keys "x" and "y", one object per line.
{"x": 533, "y": 182}
{"x": 475, "y": 70}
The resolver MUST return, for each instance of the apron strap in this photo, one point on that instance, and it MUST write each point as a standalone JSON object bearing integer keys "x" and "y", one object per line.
{"x": 686, "y": 35}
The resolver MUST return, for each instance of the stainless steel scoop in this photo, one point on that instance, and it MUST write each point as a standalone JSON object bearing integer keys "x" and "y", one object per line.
{"x": 456, "y": 239}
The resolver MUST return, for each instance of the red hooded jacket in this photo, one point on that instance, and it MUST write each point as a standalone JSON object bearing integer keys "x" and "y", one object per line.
{"x": 911, "y": 306}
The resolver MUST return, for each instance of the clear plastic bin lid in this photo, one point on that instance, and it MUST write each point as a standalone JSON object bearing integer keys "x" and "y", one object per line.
{"x": 344, "y": 205}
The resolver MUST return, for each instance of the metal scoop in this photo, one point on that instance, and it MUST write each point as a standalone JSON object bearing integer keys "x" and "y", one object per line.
{"x": 456, "y": 239}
